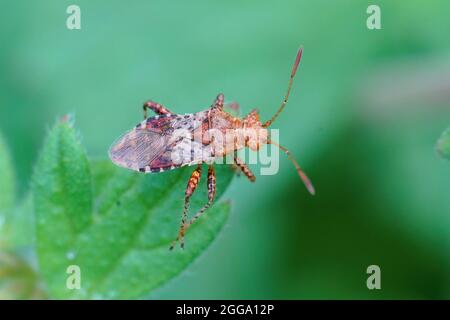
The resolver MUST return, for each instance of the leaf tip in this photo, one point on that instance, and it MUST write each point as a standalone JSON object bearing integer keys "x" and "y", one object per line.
{"x": 443, "y": 144}
{"x": 67, "y": 119}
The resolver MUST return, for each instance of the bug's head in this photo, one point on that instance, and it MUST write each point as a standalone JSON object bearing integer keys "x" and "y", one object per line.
{"x": 255, "y": 134}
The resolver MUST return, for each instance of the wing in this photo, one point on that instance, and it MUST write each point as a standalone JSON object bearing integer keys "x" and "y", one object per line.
{"x": 161, "y": 143}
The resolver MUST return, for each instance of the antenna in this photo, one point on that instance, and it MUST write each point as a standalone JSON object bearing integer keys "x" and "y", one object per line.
{"x": 286, "y": 97}
{"x": 300, "y": 172}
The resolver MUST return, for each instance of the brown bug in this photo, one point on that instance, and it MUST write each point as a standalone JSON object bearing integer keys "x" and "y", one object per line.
{"x": 153, "y": 145}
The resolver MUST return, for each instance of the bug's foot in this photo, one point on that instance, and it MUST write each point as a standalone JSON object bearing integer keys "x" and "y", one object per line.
{"x": 180, "y": 238}
{"x": 236, "y": 170}
{"x": 174, "y": 243}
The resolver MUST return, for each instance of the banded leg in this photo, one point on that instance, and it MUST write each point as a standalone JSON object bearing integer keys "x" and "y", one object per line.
{"x": 211, "y": 194}
{"x": 190, "y": 188}
{"x": 244, "y": 168}
{"x": 156, "y": 107}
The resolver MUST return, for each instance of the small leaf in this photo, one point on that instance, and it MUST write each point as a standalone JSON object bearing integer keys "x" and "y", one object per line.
{"x": 62, "y": 201}
{"x": 443, "y": 144}
{"x": 123, "y": 252}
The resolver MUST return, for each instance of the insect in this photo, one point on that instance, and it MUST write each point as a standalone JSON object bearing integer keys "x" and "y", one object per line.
{"x": 155, "y": 145}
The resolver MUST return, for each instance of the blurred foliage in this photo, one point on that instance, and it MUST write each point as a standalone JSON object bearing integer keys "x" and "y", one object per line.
{"x": 16, "y": 221}
{"x": 443, "y": 145}
{"x": 364, "y": 114}
{"x": 7, "y": 186}
{"x": 17, "y": 279}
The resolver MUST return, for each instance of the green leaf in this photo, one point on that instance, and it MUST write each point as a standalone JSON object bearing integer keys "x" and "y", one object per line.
{"x": 62, "y": 200}
{"x": 7, "y": 189}
{"x": 123, "y": 248}
{"x": 145, "y": 211}
{"x": 443, "y": 144}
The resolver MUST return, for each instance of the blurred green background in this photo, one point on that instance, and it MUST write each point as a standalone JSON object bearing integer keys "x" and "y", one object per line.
{"x": 366, "y": 110}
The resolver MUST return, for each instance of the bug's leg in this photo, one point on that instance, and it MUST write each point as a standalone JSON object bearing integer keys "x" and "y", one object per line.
{"x": 244, "y": 168}
{"x": 218, "y": 103}
{"x": 237, "y": 170}
{"x": 211, "y": 193}
{"x": 156, "y": 107}
{"x": 190, "y": 188}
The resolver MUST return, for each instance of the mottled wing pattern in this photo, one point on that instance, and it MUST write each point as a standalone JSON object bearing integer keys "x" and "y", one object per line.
{"x": 161, "y": 143}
